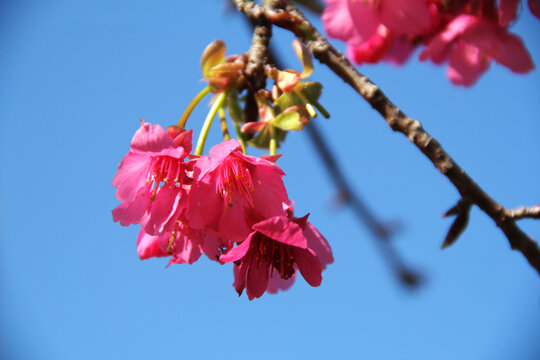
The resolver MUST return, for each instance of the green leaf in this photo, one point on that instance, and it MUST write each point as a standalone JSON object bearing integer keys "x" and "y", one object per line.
{"x": 262, "y": 139}
{"x": 286, "y": 100}
{"x": 288, "y": 121}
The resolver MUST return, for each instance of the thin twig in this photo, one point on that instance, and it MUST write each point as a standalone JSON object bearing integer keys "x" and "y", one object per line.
{"x": 293, "y": 20}
{"x": 381, "y": 232}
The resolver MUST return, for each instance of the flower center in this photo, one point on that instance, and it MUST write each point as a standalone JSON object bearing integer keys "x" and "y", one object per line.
{"x": 234, "y": 179}
{"x": 276, "y": 254}
{"x": 166, "y": 170}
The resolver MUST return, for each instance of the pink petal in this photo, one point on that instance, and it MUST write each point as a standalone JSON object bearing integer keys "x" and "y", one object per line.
{"x": 507, "y": 49}
{"x": 166, "y": 204}
{"x": 232, "y": 224}
{"x": 184, "y": 140}
{"x": 276, "y": 283}
{"x": 534, "y": 6}
{"x": 210, "y": 246}
{"x": 203, "y": 165}
{"x": 365, "y": 20}
{"x": 269, "y": 192}
{"x": 372, "y": 50}
{"x": 282, "y": 229}
{"x": 467, "y": 63}
{"x": 150, "y": 246}
{"x": 263, "y": 164}
{"x": 131, "y": 212}
{"x": 256, "y": 278}
{"x": 271, "y": 158}
{"x": 507, "y": 11}
{"x": 223, "y": 149}
{"x": 309, "y": 266}
{"x": 204, "y": 205}
{"x": 132, "y": 174}
{"x": 151, "y": 138}
{"x": 239, "y": 272}
{"x": 410, "y": 17}
{"x": 238, "y": 252}
{"x": 319, "y": 245}
{"x": 339, "y": 24}
{"x": 438, "y": 47}
{"x": 186, "y": 251}
{"x": 400, "y": 51}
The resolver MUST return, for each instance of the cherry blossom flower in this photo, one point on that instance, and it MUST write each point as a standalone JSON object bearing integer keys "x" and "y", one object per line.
{"x": 150, "y": 179}
{"x": 356, "y": 21}
{"x": 468, "y": 34}
{"x": 273, "y": 251}
{"x": 470, "y": 42}
{"x": 227, "y": 185}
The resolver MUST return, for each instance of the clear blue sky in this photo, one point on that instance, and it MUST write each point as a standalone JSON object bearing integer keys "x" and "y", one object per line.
{"x": 76, "y": 76}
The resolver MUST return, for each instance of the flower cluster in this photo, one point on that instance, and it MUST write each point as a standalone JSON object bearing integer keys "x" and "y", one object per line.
{"x": 230, "y": 206}
{"x": 466, "y": 33}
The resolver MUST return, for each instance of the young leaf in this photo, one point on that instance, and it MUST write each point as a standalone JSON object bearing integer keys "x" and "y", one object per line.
{"x": 288, "y": 121}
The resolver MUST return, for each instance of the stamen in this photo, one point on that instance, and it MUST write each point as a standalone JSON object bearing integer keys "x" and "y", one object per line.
{"x": 233, "y": 178}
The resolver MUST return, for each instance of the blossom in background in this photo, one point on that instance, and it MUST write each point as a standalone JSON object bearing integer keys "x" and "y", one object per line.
{"x": 228, "y": 184}
{"x": 355, "y": 22}
{"x": 467, "y": 34}
{"x": 273, "y": 251}
{"x": 470, "y": 43}
{"x": 150, "y": 179}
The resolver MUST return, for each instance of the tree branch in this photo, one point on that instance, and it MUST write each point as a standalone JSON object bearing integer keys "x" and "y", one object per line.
{"x": 523, "y": 212}
{"x": 254, "y": 71}
{"x": 293, "y": 20}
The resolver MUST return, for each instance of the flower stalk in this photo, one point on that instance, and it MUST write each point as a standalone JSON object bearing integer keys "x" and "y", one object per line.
{"x": 191, "y": 106}
{"x": 208, "y": 122}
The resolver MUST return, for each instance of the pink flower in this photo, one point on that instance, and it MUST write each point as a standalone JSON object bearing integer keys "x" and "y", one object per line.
{"x": 184, "y": 244}
{"x": 470, "y": 43}
{"x": 150, "y": 179}
{"x": 229, "y": 185}
{"x": 355, "y": 21}
{"x": 276, "y": 247}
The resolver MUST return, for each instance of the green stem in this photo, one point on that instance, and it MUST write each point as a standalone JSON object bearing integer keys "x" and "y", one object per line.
{"x": 207, "y": 122}
{"x": 273, "y": 141}
{"x": 191, "y": 106}
{"x": 240, "y": 137}
{"x": 321, "y": 108}
{"x": 223, "y": 121}
{"x": 309, "y": 107}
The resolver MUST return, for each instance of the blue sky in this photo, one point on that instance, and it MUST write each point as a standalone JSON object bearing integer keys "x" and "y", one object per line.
{"x": 76, "y": 76}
